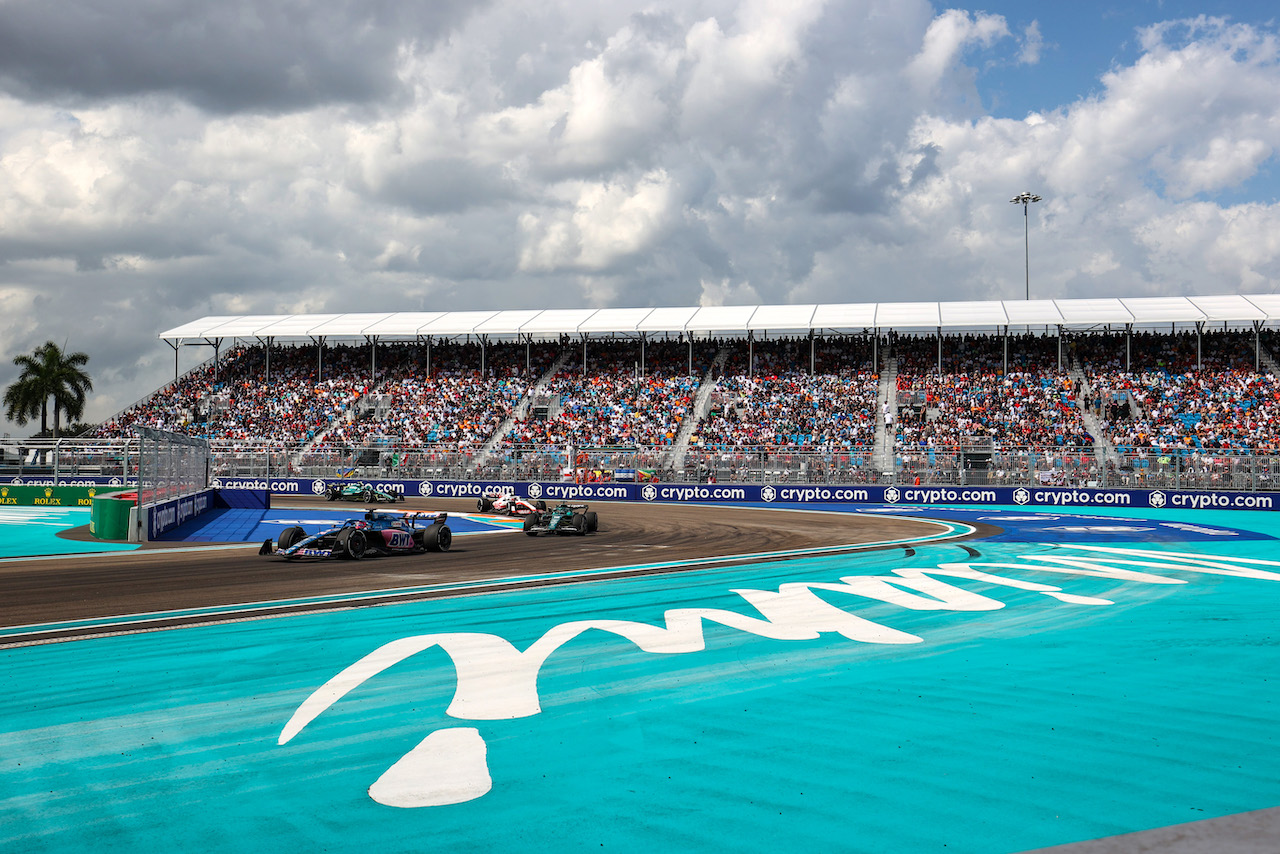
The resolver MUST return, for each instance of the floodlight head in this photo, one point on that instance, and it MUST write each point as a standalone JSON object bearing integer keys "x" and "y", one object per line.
{"x": 1025, "y": 197}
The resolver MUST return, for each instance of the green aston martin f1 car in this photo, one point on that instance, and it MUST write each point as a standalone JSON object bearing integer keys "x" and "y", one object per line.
{"x": 362, "y": 492}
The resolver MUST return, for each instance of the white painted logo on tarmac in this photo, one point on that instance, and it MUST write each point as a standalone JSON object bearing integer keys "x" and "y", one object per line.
{"x": 496, "y": 681}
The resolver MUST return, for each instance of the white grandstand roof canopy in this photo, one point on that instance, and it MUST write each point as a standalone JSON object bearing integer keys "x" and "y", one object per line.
{"x": 850, "y": 317}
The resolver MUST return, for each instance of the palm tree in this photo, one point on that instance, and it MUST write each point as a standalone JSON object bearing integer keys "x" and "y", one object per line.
{"x": 48, "y": 373}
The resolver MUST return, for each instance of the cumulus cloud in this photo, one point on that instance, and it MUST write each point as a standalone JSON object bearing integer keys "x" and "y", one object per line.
{"x": 164, "y": 162}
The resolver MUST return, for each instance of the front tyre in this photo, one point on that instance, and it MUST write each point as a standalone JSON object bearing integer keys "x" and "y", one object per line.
{"x": 593, "y": 523}
{"x": 289, "y": 536}
{"x": 353, "y": 543}
{"x": 367, "y": 495}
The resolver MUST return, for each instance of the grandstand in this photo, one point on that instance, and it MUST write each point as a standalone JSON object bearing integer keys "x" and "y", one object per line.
{"x": 1170, "y": 392}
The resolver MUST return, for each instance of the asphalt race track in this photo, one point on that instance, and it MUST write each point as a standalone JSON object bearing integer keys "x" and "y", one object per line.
{"x": 163, "y": 577}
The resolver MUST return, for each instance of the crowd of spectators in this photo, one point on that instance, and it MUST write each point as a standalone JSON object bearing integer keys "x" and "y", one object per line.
{"x": 611, "y": 403}
{"x": 1170, "y": 395}
{"x": 769, "y": 399}
{"x": 1153, "y": 395}
{"x": 446, "y": 399}
{"x": 232, "y": 401}
{"x": 975, "y": 400}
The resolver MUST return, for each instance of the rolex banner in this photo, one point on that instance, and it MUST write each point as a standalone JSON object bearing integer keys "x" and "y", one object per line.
{"x": 52, "y": 496}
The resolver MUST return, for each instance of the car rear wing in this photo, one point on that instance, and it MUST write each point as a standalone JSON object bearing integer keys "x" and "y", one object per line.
{"x": 409, "y": 515}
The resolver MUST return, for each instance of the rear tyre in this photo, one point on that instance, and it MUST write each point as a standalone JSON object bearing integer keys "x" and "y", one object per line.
{"x": 483, "y": 505}
{"x": 289, "y": 536}
{"x": 438, "y": 538}
{"x": 331, "y": 495}
{"x": 353, "y": 543}
{"x": 593, "y": 523}
{"x": 367, "y": 495}
{"x": 530, "y": 521}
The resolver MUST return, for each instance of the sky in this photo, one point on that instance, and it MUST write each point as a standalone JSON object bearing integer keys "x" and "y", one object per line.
{"x": 163, "y": 160}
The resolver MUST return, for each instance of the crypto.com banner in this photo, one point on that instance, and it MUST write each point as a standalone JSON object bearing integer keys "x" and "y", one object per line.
{"x": 786, "y": 494}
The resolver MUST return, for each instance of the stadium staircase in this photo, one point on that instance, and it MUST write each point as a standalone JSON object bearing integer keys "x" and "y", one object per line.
{"x": 1268, "y": 362}
{"x": 882, "y": 449}
{"x": 701, "y": 405}
{"x": 1103, "y": 450}
{"x": 520, "y": 411}
{"x": 375, "y": 403}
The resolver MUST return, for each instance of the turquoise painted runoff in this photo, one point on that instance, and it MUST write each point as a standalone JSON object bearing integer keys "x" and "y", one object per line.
{"x": 27, "y": 531}
{"x": 1052, "y": 693}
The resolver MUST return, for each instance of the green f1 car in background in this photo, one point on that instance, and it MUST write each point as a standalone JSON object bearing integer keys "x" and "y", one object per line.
{"x": 563, "y": 519}
{"x": 363, "y": 492}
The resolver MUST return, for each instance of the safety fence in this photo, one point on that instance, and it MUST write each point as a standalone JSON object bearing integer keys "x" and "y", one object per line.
{"x": 84, "y": 462}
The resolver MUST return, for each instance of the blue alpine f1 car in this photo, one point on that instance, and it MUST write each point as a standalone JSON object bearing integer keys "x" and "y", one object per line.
{"x": 378, "y": 532}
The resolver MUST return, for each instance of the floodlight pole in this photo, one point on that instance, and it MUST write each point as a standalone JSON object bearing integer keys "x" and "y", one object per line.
{"x": 1026, "y": 198}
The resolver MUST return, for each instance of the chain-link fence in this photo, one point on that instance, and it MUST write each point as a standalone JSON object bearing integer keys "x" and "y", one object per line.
{"x": 170, "y": 465}
{"x": 68, "y": 459}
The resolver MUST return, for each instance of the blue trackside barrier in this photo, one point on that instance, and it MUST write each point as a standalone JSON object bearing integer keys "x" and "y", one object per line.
{"x": 252, "y": 499}
{"x": 168, "y": 515}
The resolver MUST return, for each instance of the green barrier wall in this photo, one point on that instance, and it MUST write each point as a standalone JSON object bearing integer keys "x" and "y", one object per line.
{"x": 52, "y": 496}
{"x": 109, "y": 519}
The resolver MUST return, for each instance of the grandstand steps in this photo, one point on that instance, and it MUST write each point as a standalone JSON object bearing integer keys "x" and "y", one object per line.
{"x": 882, "y": 449}
{"x": 520, "y": 412}
{"x": 1268, "y": 362}
{"x": 701, "y": 406}
{"x": 1103, "y": 450}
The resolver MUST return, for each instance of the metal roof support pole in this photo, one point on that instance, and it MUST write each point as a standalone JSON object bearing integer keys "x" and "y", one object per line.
{"x": 1257, "y": 346}
{"x": 1059, "y": 346}
{"x": 373, "y": 357}
{"x": 217, "y": 345}
{"x": 751, "y": 354}
{"x": 1199, "y": 331}
{"x": 643, "y": 365}
{"x": 690, "y": 354}
{"x": 1128, "y": 347}
{"x": 528, "y": 359}
{"x": 319, "y": 357}
{"x": 484, "y": 365}
{"x": 875, "y": 349}
{"x": 175, "y": 344}
{"x": 1006, "y": 349}
{"x": 812, "y": 355}
{"x": 429, "y": 357}
{"x": 939, "y": 351}
{"x": 584, "y": 355}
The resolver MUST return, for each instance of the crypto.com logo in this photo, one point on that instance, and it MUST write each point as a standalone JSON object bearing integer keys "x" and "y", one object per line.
{"x": 496, "y": 681}
{"x": 649, "y": 492}
{"x": 424, "y": 488}
{"x": 535, "y": 490}
{"x": 1021, "y": 496}
{"x": 317, "y": 487}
